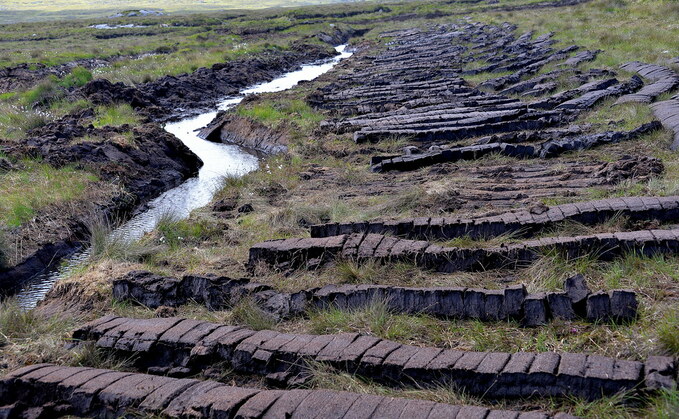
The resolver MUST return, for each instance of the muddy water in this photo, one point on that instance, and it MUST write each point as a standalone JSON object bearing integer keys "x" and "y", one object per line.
{"x": 219, "y": 161}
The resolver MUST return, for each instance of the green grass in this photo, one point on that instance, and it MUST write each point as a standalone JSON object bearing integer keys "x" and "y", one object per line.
{"x": 24, "y": 10}
{"x": 247, "y": 313}
{"x": 37, "y": 185}
{"x": 625, "y": 30}
{"x": 668, "y": 332}
{"x": 34, "y": 108}
{"x": 42, "y": 94}
{"x": 274, "y": 113}
{"x": 350, "y": 271}
{"x": 115, "y": 116}
{"x": 663, "y": 405}
{"x": 640, "y": 271}
{"x": 78, "y": 77}
{"x": 16, "y": 120}
{"x": 177, "y": 233}
{"x": 52, "y": 89}
{"x": 375, "y": 319}
{"x": 218, "y": 49}
{"x": 30, "y": 337}
{"x": 625, "y": 117}
{"x": 16, "y": 323}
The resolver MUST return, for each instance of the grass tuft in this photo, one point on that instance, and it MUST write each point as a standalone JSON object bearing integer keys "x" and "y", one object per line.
{"x": 30, "y": 336}
{"x": 248, "y": 313}
{"x": 44, "y": 93}
{"x": 115, "y": 116}
{"x": 78, "y": 77}
{"x": 350, "y": 271}
{"x": 105, "y": 244}
{"x": 665, "y": 403}
{"x": 549, "y": 272}
{"x": 668, "y": 333}
{"x": 274, "y": 113}
{"x": 177, "y": 233}
{"x": 16, "y": 121}
{"x": 88, "y": 354}
{"x": 374, "y": 319}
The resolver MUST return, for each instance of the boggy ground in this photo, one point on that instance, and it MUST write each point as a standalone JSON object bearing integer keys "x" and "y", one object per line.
{"x": 325, "y": 177}
{"x": 113, "y": 147}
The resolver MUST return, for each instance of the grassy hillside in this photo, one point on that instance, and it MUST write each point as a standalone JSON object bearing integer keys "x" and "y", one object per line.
{"x": 30, "y": 11}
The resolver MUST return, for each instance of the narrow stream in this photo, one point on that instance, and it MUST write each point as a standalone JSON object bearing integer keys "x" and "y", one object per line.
{"x": 219, "y": 161}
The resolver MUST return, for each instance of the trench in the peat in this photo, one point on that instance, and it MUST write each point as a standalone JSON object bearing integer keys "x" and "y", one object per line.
{"x": 219, "y": 161}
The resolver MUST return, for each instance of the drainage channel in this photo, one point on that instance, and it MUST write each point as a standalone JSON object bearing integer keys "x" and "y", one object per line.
{"x": 219, "y": 161}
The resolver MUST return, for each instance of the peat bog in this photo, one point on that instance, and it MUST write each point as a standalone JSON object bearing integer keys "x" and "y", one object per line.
{"x": 420, "y": 209}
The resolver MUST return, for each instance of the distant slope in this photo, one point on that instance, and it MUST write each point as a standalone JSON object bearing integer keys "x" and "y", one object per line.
{"x": 12, "y": 11}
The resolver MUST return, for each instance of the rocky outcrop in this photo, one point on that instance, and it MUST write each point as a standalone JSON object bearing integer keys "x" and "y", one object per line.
{"x": 219, "y": 293}
{"x": 245, "y": 132}
{"x": 312, "y": 252}
{"x": 524, "y": 223}
{"x": 47, "y": 390}
{"x": 180, "y": 346}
